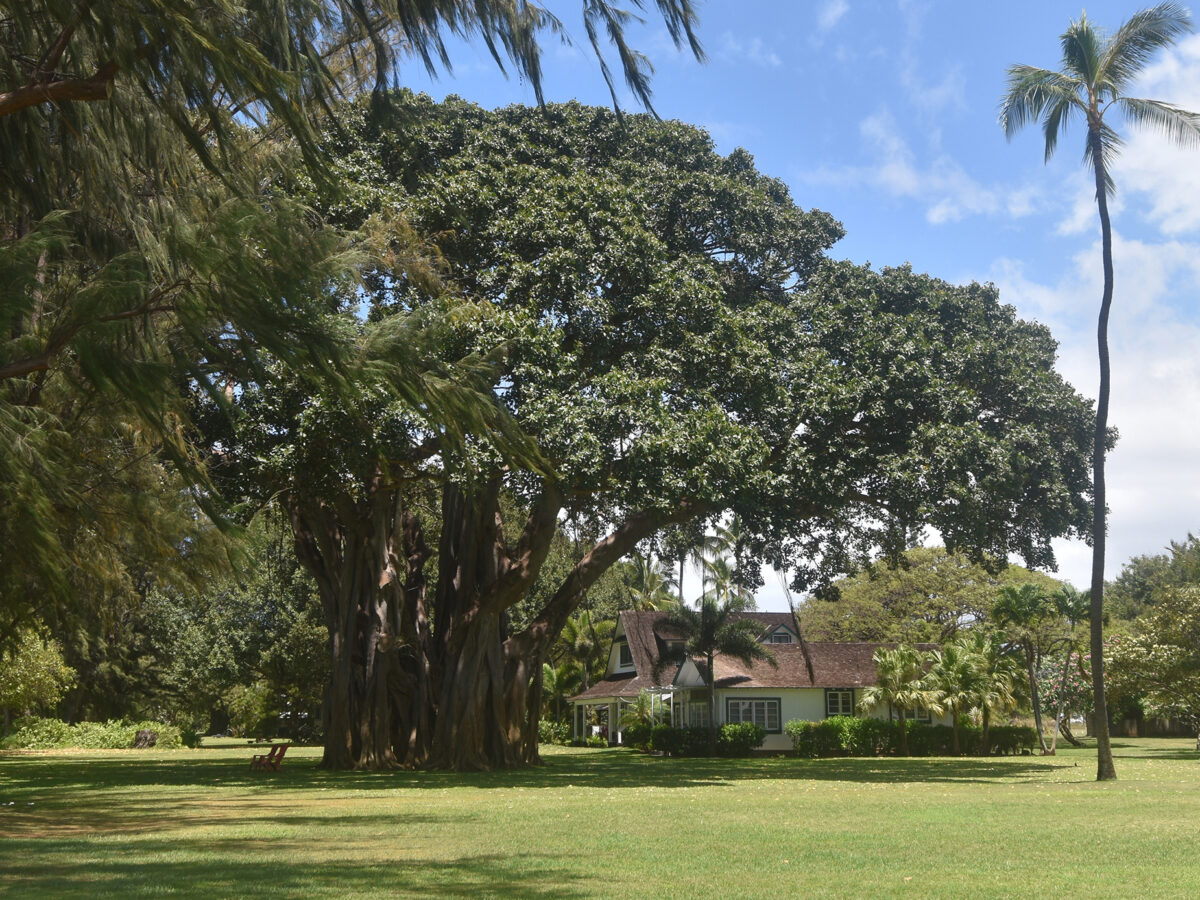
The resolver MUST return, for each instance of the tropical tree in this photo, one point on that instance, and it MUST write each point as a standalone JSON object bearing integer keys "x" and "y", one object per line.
{"x": 585, "y": 642}
{"x": 677, "y": 345}
{"x": 1098, "y": 69}
{"x": 1000, "y": 670}
{"x": 926, "y": 595}
{"x": 1160, "y": 659}
{"x": 957, "y": 676}
{"x": 33, "y": 675}
{"x": 711, "y": 627}
{"x": 1072, "y": 606}
{"x": 903, "y": 684}
{"x": 724, "y": 583}
{"x": 557, "y": 683}
{"x": 651, "y": 584}
{"x": 1024, "y": 612}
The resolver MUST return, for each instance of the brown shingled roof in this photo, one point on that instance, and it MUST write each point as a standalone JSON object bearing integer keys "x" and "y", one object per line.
{"x": 834, "y": 664}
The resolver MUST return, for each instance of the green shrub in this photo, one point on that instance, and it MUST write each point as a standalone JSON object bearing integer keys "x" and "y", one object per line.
{"x": 740, "y": 740}
{"x": 1012, "y": 739}
{"x": 38, "y": 734}
{"x": 553, "y": 732}
{"x": 597, "y": 740}
{"x": 665, "y": 739}
{"x": 637, "y": 735}
{"x": 115, "y": 734}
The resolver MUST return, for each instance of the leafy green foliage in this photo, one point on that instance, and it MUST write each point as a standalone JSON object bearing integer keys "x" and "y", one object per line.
{"x": 1160, "y": 660}
{"x": 925, "y": 596}
{"x": 854, "y": 736}
{"x": 115, "y": 734}
{"x": 1143, "y": 578}
{"x": 553, "y": 732}
{"x": 33, "y": 675}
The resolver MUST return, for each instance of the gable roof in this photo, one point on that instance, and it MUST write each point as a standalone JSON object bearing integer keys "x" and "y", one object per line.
{"x": 834, "y": 664}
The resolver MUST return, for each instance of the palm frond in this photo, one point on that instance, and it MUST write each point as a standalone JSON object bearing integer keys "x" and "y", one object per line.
{"x": 1135, "y": 42}
{"x": 1082, "y": 46}
{"x": 1179, "y": 125}
{"x": 1054, "y": 123}
{"x": 1031, "y": 90}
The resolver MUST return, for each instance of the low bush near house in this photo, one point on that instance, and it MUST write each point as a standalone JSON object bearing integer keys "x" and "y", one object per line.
{"x": 637, "y": 736}
{"x": 553, "y": 732}
{"x": 852, "y": 736}
{"x": 740, "y": 740}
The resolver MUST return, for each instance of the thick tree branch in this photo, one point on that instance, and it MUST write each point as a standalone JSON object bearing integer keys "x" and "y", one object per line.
{"x": 531, "y": 550}
{"x": 96, "y": 88}
{"x": 595, "y": 563}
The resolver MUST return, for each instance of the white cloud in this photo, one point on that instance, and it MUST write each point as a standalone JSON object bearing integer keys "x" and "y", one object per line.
{"x": 1163, "y": 177}
{"x": 830, "y": 13}
{"x": 754, "y": 50}
{"x": 1152, "y": 479}
{"x": 947, "y": 191}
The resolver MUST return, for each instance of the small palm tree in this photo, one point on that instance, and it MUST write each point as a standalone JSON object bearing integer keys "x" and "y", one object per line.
{"x": 1000, "y": 674}
{"x": 557, "y": 683}
{"x": 1097, "y": 70}
{"x": 902, "y": 685}
{"x": 1023, "y": 611}
{"x": 957, "y": 676}
{"x": 584, "y": 641}
{"x": 713, "y": 627}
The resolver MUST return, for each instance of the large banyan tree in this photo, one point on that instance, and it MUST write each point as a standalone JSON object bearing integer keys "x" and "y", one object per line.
{"x": 663, "y": 323}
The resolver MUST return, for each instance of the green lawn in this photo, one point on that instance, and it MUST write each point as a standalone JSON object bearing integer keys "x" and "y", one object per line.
{"x": 604, "y": 823}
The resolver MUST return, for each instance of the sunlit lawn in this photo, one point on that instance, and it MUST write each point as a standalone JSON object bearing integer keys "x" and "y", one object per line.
{"x": 603, "y": 823}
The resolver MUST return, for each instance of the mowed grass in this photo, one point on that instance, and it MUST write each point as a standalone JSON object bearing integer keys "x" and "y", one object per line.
{"x": 603, "y": 823}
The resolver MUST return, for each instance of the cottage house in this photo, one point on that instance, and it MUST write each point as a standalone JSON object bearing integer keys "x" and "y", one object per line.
{"x": 812, "y": 681}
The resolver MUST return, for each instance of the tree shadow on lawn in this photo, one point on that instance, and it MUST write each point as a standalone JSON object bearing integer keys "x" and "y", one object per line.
{"x": 242, "y": 868}
{"x": 615, "y": 768}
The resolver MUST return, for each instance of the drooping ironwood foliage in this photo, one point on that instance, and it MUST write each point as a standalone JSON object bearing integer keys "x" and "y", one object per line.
{"x": 141, "y": 252}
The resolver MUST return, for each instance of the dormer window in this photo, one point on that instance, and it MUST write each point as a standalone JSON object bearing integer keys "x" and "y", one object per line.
{"x": 625, "y": 657}
{"x": 780, "y": 637}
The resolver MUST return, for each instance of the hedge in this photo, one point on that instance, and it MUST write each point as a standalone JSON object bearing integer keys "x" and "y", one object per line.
{"x": 854, "y": 736}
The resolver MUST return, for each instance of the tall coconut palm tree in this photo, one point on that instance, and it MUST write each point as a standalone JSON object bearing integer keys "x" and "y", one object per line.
{"x": 713, "y": 627}
{"x": 651, "y": 584}
{"x": 1097, "y": 70}
{"x": 902, "y": 685}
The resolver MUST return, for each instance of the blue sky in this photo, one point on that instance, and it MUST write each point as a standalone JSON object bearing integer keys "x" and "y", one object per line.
{"x": 885, "y": 114}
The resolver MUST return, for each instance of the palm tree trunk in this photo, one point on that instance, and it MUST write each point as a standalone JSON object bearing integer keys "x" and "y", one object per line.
{"x": 1034, "y": 698}
{"x": 712, "y": 707}
{"x": 1105, "y": 770}
{"x": 1062, "y": 697}
{"x": 985, "y": 739}
{"x": 903, "y": 734}
{"x": 956, "y": 745}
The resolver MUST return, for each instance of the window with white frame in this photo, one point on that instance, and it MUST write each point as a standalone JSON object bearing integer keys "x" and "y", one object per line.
{"x": 698, "y": 713}
{"x": 761, "y": 711}
{"x": 839, "y": 703}
{"x": 625, "y": 657}
{"x": 780, "y": 637}
{"x": 922, "y": 715}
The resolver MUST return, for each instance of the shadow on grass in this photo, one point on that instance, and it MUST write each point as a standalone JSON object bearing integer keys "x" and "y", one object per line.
{"x": 23, "y": 778}
{"x": 232, "y": 869}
